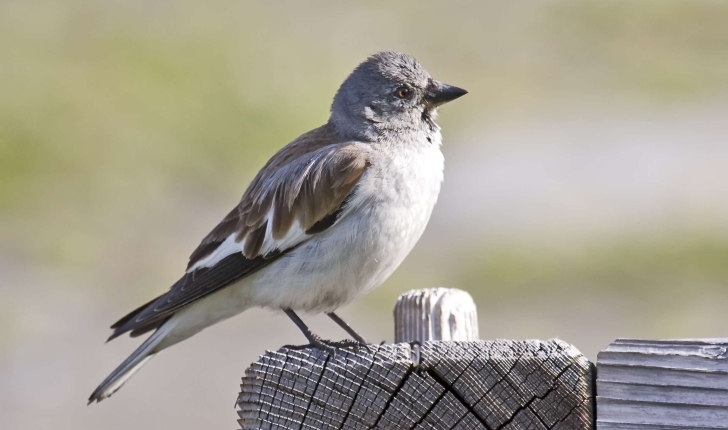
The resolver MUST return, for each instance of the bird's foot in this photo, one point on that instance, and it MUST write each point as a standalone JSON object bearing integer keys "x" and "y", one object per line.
{"x": 329, "y": 346}
{"x": 315, "y": 341}
{"x": 347, "y": 343}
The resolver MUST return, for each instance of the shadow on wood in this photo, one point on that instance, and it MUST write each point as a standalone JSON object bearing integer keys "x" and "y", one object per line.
{"x": 441, "y": 385}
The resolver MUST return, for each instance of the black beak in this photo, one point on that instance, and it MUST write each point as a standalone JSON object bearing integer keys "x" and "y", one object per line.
{"x": 439, "y": 93}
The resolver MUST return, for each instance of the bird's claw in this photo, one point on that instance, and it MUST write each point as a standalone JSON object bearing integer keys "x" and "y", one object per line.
{"x": 331, "y": 346}
{"x": 328, "y": 346}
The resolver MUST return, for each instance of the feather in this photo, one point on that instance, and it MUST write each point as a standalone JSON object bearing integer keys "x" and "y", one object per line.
{"x": 302, "y": 191}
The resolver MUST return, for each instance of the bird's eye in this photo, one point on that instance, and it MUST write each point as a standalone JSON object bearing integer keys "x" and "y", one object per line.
{"x": 402, "y": 92}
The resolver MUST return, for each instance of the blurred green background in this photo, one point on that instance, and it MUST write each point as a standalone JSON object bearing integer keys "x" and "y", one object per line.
{"x": 586, "y": 191}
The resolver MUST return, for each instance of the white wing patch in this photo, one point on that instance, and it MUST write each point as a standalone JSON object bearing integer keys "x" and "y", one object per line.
{"x": 227, "y": 247}
{"x": 293, "y": 237}
{"x": 230, "y": 245}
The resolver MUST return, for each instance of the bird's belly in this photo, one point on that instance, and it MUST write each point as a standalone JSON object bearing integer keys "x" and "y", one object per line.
{"x": 357, "y": 254}
{"x": 331, "y": 270}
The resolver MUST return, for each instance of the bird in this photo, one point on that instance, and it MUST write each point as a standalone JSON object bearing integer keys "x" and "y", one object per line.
{"x": 327, "y": 219}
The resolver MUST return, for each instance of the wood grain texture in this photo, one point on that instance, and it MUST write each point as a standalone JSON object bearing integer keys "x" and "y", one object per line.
{"x": 663, "y": 384}
{"x": 489, "y": 385}
{"x": 435, "y": 314}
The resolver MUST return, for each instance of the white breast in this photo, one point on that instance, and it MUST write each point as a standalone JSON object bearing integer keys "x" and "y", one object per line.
{"x": 383, "y": 222}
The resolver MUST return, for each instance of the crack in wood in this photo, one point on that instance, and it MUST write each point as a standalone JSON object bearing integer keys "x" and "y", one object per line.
{"x": 358, "y": 390}
{"x": 457, "y": 395}
{"x": 487, "y": 384}
{"x": 388, "y": 373}
{"x": 527, "y": 405}
{"x": 394, "y": 395}
{"x": 317, "y": 385}
{"x": 501, "y": 380}
{"x": 433, "y": 370}
{"x": 422, "y": 418}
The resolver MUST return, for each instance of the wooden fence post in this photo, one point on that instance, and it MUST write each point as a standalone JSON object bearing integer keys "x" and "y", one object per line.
{"x": 433, "y": 384}
{"x": 663, "y": 384}
{"x": 435, "y": 314}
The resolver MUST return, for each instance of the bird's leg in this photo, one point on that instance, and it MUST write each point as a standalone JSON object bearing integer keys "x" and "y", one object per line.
{"x": 302, "y": 326}
{"x": 313, "y": 339}
{"x": 347, "y": 328}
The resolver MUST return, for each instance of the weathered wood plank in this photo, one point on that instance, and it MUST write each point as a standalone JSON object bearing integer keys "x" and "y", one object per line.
{"x": 665, "y": 384}
{"x": 441, "y": 385}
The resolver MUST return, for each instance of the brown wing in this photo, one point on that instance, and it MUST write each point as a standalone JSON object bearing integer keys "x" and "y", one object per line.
{"x": 300, "y": 192}
{"x": 236, "y": 220}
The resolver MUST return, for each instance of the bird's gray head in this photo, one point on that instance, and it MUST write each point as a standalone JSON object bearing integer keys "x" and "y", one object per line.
{"x": 389, "y": 93}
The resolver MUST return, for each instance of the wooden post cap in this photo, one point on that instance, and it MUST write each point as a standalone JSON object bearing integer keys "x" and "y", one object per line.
{"x": 502, "y": 384}
{"x": 663, "y": 384}
{"x": 435, "y": 314}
